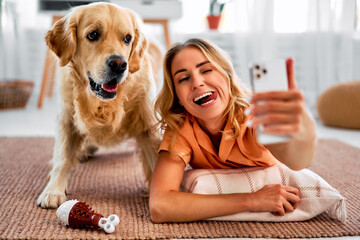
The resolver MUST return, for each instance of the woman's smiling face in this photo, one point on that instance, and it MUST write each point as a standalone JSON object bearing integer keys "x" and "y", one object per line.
{"x": 200, "y": 88}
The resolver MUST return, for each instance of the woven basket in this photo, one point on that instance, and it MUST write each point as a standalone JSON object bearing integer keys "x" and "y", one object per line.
{"x": 15, "y": 94}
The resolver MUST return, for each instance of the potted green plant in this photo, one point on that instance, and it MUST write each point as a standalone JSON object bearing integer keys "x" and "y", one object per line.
{"x": 216, "y": 7}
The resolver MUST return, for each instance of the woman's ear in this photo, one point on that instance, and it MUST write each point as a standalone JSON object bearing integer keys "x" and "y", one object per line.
{"x": 61, "y": 39}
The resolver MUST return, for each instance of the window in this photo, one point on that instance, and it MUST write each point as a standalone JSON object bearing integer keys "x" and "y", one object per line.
{"x": 194, "y": 17}
{"x": 291, "y": 16}
{"x": 288, "y": 16}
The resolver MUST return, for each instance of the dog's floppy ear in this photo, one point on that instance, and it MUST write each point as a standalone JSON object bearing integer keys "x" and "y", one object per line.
{"x": 61, "y": 39}
{"x": 139, "y": 46}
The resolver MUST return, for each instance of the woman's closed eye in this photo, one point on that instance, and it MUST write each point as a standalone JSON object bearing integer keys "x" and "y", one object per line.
{"x": 206, "y": 71}
{"x": 183, "y": 79}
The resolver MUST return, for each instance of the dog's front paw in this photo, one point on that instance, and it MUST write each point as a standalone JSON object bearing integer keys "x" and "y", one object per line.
{"x": 51, "y": 199}
{"x": 87, "y": 153}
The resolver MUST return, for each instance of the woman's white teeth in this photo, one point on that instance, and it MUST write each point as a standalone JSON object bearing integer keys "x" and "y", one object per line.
{"x": 202, "y": 96}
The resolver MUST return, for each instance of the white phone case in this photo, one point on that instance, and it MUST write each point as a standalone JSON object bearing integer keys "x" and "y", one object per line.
{"x": 268, "y": 76}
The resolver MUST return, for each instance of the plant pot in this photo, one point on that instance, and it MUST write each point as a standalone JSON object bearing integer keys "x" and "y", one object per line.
{"x": 213, "y": 21}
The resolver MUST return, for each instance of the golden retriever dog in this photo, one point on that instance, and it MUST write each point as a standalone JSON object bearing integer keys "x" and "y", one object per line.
{"x": 107, "y": 86}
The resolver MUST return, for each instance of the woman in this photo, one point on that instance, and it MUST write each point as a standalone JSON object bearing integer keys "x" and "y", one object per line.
{"x": 207, "y": 126}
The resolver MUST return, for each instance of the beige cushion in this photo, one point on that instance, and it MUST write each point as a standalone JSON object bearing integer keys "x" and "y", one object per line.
{"x": 339, "y": 106}
{"x": 316, "y": 194}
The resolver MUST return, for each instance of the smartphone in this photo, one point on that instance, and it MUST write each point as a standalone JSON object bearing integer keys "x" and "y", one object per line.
{"x": 269, "y": 76}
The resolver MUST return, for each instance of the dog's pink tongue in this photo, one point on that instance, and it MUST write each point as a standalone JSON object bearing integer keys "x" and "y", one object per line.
{"x": 110, "y": 87}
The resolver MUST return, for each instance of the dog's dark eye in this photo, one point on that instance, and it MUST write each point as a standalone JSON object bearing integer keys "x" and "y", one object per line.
{"x": 93, "y": 36}
{"x": 127, "y": 39}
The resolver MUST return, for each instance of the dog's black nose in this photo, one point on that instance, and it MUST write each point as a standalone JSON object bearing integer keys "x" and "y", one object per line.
{"x": 117, "y": 64}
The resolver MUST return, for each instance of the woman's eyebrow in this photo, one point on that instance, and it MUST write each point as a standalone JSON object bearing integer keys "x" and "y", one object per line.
{"x": 197, "y": 66}
{"x": 179, "y": 71}
{"x": 203, "y": 63}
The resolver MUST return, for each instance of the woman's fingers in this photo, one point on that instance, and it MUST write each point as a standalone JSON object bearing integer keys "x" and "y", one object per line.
{"x": 288, "y": 207}
{"x": 293, "y": 199}
{"x": 278, "y": 199}
{"x": 276, "y": 123}
{"x": 279, "y": 213}
{"x": 276, "y": 106}
{"x": 277, "y": 112}
{"x": 292, "y": 190}
{"x": 274, "y": 118}
{"x": 291, "y": 73}
{"x": 286, "y": 198}
{"x": 280, "y": 129}
{"x": 277, "y": 95}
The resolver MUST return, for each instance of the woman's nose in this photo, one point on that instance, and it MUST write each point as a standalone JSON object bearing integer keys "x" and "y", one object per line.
{"x": 198, "y": 81}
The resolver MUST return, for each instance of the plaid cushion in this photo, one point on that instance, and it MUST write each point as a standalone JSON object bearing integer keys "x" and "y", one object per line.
{"x": 316, "y": 194}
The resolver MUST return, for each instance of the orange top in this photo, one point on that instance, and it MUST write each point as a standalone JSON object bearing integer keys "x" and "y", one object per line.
{"x": 194, "y": 146}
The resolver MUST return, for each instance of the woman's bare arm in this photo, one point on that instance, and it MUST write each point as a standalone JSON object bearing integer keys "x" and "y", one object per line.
{"x": 167, "y": 204}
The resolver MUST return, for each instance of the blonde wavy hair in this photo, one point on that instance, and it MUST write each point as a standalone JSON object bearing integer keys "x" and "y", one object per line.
{"x": 172, "y": 114}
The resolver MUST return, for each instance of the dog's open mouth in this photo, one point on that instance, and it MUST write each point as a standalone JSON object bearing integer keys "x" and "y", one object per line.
{"x": 110, "y": 86}
{"x": 205, "y": 98}
{"x": 104, "y": 91}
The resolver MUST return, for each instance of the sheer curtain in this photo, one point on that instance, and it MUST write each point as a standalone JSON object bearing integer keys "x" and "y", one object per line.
{"x": 318, "y": 34}
{"x": 22, "y": 45}
{"x": 8, "y": 35}
{"x": 333, "y": 23}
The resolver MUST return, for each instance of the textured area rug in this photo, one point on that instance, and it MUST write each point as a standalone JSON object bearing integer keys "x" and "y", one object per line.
{"x": 112, "y": 182}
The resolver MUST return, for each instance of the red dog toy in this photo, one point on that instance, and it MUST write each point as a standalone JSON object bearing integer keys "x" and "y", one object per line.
{"x": 77, "y": 214}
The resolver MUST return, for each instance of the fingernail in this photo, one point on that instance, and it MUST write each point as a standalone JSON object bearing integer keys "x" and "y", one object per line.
{"x": 247, "y": 112}
{"x": 249, "y": 123}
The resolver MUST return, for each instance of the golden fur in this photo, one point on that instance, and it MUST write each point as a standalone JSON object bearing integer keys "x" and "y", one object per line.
{"x": 88, "y": 118}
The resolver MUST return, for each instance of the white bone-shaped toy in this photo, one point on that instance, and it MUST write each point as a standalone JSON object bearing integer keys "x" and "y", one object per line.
{"x": 77, "y": 214}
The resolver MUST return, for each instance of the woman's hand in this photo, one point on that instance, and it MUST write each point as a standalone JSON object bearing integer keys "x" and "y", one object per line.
{"x": 285, "y": 113}
{"x": 276, "y": 198}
